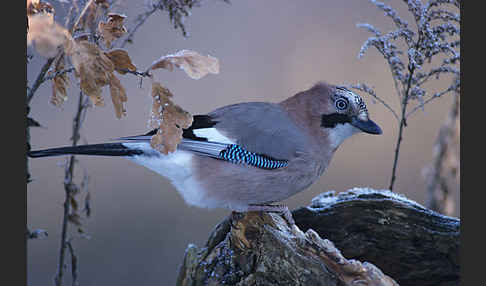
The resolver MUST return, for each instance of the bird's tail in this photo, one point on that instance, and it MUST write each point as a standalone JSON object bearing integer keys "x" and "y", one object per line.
{"x": 106, "y": 149}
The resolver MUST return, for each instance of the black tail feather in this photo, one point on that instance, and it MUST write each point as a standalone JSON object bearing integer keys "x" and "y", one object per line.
{"x": 107, "y": 149}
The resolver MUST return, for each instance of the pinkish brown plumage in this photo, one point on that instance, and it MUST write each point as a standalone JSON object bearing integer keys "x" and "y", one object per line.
{"x": 250, "y": 154}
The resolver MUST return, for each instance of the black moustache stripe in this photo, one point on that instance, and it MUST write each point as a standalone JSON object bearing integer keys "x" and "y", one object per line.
{"x": 333, "y": 119}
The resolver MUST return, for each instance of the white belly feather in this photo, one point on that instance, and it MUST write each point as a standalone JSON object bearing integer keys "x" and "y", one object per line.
{"x": 178, "y": 168}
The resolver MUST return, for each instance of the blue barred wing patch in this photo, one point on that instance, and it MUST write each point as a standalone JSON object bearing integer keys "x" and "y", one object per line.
{"x": 236, "y": 154}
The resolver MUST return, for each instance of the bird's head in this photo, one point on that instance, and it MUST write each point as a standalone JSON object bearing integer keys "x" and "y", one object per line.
{"x": 335, "y": 111}
{"x": 344, "y": 113}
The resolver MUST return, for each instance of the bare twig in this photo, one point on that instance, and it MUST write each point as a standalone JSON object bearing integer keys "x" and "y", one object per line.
{"x": 435, "y": 96}
{"x": 74, "y": 264}
{"x": 176, "y": 9}
{"x": 139, "y": 74}
{"x": 27, "y": 146}
{"x": 80, "y": 16}
{"x": 365, "y": 88}
{"x": 40, "y": 79}
{"x": 70, "y": 188}
{"x": 403, "y": 123}
{"x": 59, "y": 73}
{"x": 140, "y": 21}
{"x": 438, "y": 71}
{"x": 403, "y": 120}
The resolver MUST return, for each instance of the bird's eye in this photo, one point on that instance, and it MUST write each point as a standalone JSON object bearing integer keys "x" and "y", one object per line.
{"x": 342, "y": 104}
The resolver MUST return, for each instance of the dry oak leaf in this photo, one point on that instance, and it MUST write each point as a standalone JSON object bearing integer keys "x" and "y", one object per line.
{"x": 103, "y": 3}
{"x": 46, "y": 35}
{"x": 169, "y": 118}
{"x": 75, "y": 218}
{"x": 59, "y": 83}
{"x": 121, "y": 60}
{"x": 93, "y": 68}
{"x": 88, "y": 21}
{"x": 118, "y": 96}
{"x": 160, "y": 98}
{"x": 195, "y": 65}
{"x": 36, "y": 7}
{"x": 113, "y": 28}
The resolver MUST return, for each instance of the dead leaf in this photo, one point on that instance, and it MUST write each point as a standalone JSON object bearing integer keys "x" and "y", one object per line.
{"x": 75, "y": 219}
{"x": 46, "y": 35}
{"x": 160, "y": 98}
{"x": 74, "y": 204}
{"x": 96, "y": 70}
{"x": 93, "y": 68}
{"x": 195, "y": 65}
{"x": 169, "y": 118}
{"x": 112, "y": 29}
{"x": 89, "y": 87}
{"x": 59, "y": 83}
{"x": 88, "y": 21}
{"x": 103, "y": 3}
{"x": 118, "y": 96}
{"x": 121, "y": 60}
{"x": 37, "y": 7}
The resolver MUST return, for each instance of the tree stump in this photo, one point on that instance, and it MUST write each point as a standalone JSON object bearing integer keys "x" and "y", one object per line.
{"x": 359, "y": 237}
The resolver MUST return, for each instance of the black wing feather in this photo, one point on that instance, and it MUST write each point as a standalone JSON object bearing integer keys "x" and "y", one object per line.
{"x": 199, "y": 122}
{"x": 106, "y": 149}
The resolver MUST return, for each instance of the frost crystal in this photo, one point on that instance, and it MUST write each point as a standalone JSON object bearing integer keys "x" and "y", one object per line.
{"x": 436, "y": 36}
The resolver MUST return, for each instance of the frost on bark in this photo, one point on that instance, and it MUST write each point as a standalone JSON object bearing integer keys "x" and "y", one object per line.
{"x": 408, "y": 242}
{"x": 359, "y": 237}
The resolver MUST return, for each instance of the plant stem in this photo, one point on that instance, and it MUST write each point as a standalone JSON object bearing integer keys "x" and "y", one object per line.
{"x": 403, "y": 123}
{"x": 27, "y": 139}
{"x": 40, "y": 79}
{"x": 140, "y": 21}
{"x": 41, "y": 76}
{"x": 69, "y": 188}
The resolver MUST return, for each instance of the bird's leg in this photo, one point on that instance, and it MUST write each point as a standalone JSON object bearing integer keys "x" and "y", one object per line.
{"x": 282, "y": 209}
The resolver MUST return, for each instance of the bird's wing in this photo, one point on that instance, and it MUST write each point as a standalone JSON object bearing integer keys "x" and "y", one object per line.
{"x": 190, "y": 141}
{"x": 263, "y": 128}
{"x": 256, "y": 128}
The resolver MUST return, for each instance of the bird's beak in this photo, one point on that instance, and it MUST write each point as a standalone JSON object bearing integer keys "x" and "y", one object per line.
{"x": 367, "y": 126}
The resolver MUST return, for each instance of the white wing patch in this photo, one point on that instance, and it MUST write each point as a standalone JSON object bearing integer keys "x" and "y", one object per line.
{"x": 213, "y": 135}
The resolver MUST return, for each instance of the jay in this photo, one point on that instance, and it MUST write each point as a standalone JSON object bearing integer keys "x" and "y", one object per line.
{"x": 247, "y": 156}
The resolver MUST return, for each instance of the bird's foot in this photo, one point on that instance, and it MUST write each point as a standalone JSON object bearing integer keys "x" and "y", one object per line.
{"x": 282, "y": 209}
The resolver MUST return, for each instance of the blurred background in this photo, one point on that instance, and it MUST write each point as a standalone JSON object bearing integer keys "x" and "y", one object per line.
{"x": 268, "y": 51}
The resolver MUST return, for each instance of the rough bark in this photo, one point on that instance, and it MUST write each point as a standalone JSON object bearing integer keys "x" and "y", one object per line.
{"x": 359, "y": 237}
{"x": 412, "y": 244}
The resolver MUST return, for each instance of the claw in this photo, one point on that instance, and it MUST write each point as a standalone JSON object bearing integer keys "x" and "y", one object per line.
{"x": 282, "y": 209}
